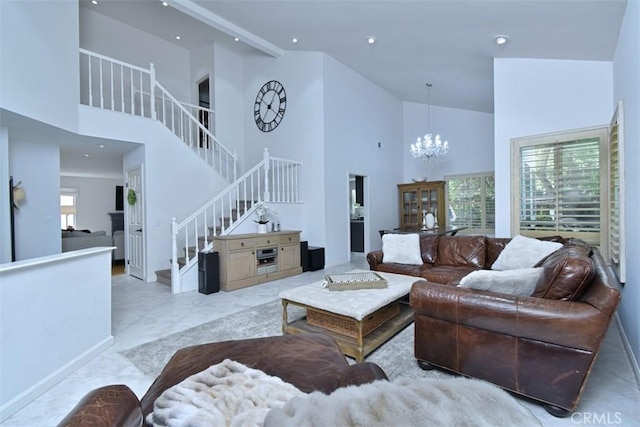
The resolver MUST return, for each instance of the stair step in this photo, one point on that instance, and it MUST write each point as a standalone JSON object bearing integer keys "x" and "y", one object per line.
{"x": 164, "y": 276}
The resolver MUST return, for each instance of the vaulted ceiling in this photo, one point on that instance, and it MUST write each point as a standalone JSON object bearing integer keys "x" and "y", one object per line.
{"x": 448, "y": 43}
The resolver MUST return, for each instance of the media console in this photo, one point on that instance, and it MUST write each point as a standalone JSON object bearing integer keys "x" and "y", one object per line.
{"x": 249, "y": 259}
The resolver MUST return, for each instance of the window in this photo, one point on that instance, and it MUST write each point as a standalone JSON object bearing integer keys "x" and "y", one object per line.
{"x": 558, "y": 185}
{"x": 471, "y": 201}
{"x": 68, "y": 208}
{"x": 616, "y": 195}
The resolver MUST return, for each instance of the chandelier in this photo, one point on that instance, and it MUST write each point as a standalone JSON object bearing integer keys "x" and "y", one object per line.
{"x": 428, "y": 149}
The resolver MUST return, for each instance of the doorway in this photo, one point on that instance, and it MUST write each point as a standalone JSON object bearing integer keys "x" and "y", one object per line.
{"x": 204, "y": 112}
{"x": 356, "y": 212}
{"x": 135, "y": 223}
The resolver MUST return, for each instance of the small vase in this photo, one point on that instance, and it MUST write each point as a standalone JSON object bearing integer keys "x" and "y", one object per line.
{"x": 262, "y": 228}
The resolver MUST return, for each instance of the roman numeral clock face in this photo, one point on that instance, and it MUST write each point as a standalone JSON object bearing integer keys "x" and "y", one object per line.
{"x": 270, "y": 105}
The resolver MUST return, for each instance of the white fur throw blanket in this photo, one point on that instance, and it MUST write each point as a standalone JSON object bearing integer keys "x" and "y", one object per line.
{"x": 406, "y": 402}
{"x": 226, "y": 394}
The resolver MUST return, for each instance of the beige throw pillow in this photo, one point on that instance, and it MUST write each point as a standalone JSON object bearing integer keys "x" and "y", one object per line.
{"x": 520, "y": 282}
{"x": 401, "y": 249}
{"x": 524, "y": 252}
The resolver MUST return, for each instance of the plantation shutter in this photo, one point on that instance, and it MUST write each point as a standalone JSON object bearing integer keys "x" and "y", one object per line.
{"x": 472, "y": 202}
{"x": 560, "y": 189}
{"x": 616, "y": 196}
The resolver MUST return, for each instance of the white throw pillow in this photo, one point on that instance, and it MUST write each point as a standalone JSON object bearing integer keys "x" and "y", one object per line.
{"x": 524, "y": 252}
{"x": 520, "y": 282}
{"x": 401, "y": 249}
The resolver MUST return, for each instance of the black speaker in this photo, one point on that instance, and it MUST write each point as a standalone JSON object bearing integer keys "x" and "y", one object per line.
{"x": 304, "y": 255}
{"x": 316, "y": 258}
{"x": 208, "y": 272}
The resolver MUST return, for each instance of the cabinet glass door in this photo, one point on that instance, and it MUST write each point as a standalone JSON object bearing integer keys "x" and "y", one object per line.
{"x": 410, "y": 208}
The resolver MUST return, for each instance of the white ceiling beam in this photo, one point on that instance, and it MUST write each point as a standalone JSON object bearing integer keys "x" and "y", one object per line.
{"x": 219, "y": 23}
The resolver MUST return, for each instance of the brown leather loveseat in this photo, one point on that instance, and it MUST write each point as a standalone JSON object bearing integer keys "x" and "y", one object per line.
{"x": 541, "y": 346}
{"x": 311, "y": 362}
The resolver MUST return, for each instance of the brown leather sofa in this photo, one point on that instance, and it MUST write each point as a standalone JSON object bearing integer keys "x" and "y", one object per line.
{"x": 311, "y": 362}
{"x": 448, "y": 258}
{"x": 543, "y": 346}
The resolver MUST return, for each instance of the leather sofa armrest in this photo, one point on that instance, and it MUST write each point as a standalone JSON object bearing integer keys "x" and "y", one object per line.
{"x": 374, "y": 258}
{"x": 565, "y": 323}
{"x": 113, "y": 405}
{"x": 361, "y": 373}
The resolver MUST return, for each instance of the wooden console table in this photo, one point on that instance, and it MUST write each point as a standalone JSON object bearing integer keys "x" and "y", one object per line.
{"x": 249, "y": 259}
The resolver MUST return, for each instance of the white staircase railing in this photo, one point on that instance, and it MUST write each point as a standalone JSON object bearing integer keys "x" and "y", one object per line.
{"x": 206, "y": 116}
{"x": 273, "y": 180}
{"x": 114, "y": 85}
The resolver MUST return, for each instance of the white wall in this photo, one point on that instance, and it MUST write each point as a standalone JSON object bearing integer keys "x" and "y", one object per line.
{"x": 201, "y": 64}
{"x": 37, "y": 222}
{"x": 39, "y": 67}
{"x": 96, "y": 198}
{"x": 112, "y": 38}
{"x": 626, "y": 69}
{"x": 470, "y": 136}
{"x": 358, "y": 115}
{"x": 227, "y": 87}
{"x": 300, "y": 135}
{"x": 537, "y": 96}
{"x": 52, "y": 321}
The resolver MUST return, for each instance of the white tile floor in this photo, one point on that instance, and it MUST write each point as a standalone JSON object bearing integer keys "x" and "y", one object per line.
{"x": 146, "y": 311}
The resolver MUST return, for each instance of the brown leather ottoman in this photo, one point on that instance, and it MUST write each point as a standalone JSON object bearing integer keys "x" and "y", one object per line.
{"x": 311, "y": 362}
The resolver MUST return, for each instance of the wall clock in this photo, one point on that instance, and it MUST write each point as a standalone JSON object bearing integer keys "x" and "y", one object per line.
{"x": 270, "y": 105}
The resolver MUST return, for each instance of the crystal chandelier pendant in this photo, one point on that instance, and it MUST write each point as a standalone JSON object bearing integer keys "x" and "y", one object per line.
{"x": 427, "y": 149}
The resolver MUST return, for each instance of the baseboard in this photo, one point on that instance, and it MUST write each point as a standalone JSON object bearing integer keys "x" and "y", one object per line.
{"x": 627, "y": 347}
{"x": 27, "y": 396}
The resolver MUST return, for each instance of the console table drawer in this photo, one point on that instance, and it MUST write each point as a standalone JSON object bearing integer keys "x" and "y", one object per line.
{"x": 289, "y": 238}
{"x": 267, "y": 241}
{"x": 235, "y": 245}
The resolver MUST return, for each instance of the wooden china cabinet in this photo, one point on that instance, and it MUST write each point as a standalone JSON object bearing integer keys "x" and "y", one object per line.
{"x": 419, "y": 196}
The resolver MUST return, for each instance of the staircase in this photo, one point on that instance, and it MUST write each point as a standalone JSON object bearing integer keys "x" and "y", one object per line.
{"x": 109, "y": 84}
{"x": 273, "y": 180}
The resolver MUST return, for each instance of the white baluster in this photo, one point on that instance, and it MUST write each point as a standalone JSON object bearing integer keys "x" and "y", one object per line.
{"x": 152, "y": 89}
{"x": 175, "y": 268}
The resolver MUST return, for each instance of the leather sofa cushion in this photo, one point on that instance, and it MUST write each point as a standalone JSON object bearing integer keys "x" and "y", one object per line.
{"x": 495, "y": 245}
{"x": 429, "y": 248}
{"x": 407, "y": 269}
{"x": 568, "y": 272}
{"x": 461, "y": 251}
{"x": 446, "y": 274}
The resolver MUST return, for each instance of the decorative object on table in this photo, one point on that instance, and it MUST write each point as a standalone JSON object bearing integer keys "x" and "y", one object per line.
{"x": 428, "y": 220}
{"x": 428, "y": 149}
{"x": 262, "y": 212}
{"x": 131, "y": 197}
{"x": 270, "y": 105}
{"x": 353, "y": 281}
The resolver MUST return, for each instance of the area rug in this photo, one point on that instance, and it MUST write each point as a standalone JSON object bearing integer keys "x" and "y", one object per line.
{"x": 395, "y": 357}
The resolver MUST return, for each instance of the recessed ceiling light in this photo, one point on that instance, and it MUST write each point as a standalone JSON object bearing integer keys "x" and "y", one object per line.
{"x": 500, "y": 40}
{"x": 94, "y": 1}
{"x": 371, "y": 40}
{"x": 294, "y": 40}
{"x": 86, "y": 154}
{"x": 236, "y": 39}
{"x": 101, "y": 145}
{"x": 178, "y": 37}
{"x": 164, "y": 3}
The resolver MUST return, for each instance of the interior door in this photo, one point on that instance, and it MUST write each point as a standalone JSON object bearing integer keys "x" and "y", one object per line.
{"x": 135, "y": 223}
